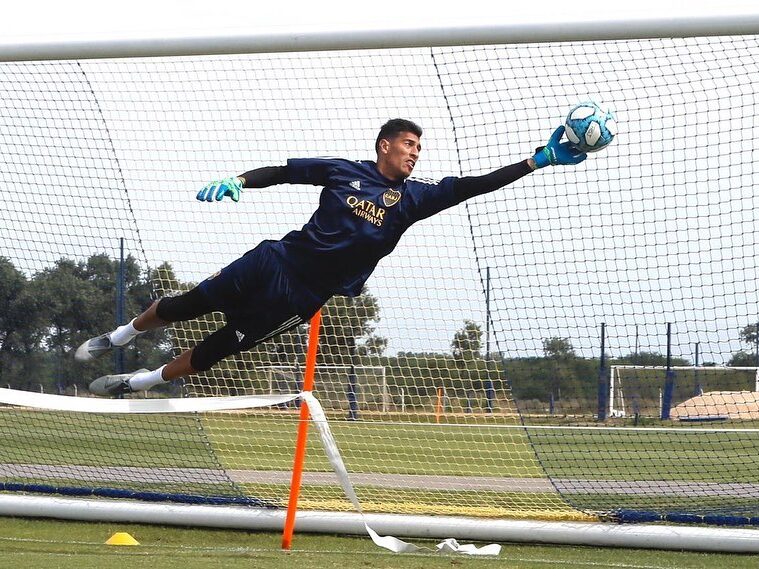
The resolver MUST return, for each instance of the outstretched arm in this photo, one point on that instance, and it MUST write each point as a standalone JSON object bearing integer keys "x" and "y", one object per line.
{"x": 264, "y": 177}
{"x": 258, "y": 178}
{"x": 470, "y": 186}
{"x": 553, "y": 153}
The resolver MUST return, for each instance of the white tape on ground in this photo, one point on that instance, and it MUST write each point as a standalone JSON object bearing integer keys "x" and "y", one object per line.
{"x": 205, "y": 404}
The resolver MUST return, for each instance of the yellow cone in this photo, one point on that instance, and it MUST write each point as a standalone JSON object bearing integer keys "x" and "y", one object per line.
{"x": 121, "y": 538}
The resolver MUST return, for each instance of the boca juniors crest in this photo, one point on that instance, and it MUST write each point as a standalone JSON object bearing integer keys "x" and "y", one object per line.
{"x": 391, "y": 197}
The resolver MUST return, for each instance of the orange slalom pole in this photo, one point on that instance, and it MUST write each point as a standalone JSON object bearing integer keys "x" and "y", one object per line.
{"x": 300, "y": 443}
{"x": 439, "y": 406}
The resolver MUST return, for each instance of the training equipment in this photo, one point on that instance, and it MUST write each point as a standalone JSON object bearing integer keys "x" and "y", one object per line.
{"x": 112, "y": 385}
{"x": 217, "y": 190}
{"x": 121, "y": 538}
{"x": 556, "y": 152}
{"x": 93, "y": 348}
{"x": 471, "y": 379}
{"x": 590, "y": 128}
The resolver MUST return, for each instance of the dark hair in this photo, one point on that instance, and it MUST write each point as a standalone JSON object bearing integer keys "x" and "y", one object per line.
{"x": 394, "y": 127}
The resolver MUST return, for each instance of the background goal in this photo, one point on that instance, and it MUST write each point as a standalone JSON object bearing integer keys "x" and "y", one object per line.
{"x": 639, "y": 390}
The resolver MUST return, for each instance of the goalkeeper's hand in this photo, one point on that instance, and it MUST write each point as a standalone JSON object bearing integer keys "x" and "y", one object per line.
{"x": 558, "y": 153}
{"x": 217, "y": 190}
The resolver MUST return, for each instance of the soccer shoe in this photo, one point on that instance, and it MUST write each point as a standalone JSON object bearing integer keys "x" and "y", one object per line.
{"x": 113, "y": 384}
{"x": 93, "y": 348}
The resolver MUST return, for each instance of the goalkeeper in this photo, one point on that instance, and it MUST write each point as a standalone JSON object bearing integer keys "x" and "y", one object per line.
{"x": 364, "y": 209}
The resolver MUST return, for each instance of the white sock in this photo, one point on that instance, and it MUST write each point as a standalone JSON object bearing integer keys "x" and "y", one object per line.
{"x": 147, "y": 379}
{"x": 124, "y": 334}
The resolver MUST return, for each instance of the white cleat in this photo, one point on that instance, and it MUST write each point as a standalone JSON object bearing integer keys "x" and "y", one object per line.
{"x": 93, "y": 348}
{"x": 113, "y": 385}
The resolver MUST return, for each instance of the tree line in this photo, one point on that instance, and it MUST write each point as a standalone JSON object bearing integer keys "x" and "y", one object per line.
{"x": 44, "y": 317}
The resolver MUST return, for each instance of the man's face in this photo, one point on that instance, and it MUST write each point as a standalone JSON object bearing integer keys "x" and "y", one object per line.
{"x": 398, "y": 156}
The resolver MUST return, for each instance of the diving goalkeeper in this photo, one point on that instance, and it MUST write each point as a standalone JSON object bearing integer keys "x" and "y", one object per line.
{"x": 364, "y": 209}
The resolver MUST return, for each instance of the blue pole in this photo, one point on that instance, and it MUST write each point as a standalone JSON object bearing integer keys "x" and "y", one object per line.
{"x": 490, "y": 395}
{"x": 352, "y": 396}
{"x": 669, "y": 383}
{"x": 602, "y": 387}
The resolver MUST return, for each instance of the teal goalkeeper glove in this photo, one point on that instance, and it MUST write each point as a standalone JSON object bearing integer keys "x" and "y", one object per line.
{"x": 558, "y": 153}
{"x": 216, "y": 190}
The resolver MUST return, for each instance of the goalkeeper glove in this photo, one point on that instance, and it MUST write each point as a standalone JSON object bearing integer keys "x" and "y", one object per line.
{"x": 216, "y": 190}
{"x": 558, "y": 153}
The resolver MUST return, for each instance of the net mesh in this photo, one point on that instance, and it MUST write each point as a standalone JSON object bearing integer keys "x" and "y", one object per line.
{"x": 467, "y": 379}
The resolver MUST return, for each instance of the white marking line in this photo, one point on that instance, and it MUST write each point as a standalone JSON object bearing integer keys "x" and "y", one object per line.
{"x": 684, "y": 430}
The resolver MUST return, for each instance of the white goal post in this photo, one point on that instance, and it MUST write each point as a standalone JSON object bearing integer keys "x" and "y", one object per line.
{"x": 353, "y": 387}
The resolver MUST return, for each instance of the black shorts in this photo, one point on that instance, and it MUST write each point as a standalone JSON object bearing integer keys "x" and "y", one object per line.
{"x": 259, "y": 301}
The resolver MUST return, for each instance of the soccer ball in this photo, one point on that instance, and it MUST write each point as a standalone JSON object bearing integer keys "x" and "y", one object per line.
{"x": 589, "y": 127}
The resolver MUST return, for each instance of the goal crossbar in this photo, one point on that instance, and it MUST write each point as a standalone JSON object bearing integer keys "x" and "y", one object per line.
{"x": 168, "y": 45}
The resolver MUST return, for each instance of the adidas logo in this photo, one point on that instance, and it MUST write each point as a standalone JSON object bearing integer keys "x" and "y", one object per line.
{"x": 355, "y": 184}
{"x": 240, "y": 335}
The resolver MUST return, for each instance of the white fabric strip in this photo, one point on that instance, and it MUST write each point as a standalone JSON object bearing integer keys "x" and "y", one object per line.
{"x": 201, "y": 404}
{"x": 336, "y": 460}
{"x": 98, "y": 405}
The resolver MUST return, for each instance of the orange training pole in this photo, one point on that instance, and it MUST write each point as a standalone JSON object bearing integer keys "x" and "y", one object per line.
{"x": 439, "y": 406}
{"x": 300, "y": 443}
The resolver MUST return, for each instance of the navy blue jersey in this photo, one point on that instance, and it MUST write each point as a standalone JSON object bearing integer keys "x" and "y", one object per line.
{"x": 360, "y": 219}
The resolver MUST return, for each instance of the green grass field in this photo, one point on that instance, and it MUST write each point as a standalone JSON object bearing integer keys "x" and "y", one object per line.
{"x": 260, "y": 442}
{"x": 263, "y": 442}
{"x": 256, "y": 441}
{"x": 75, "y": 545}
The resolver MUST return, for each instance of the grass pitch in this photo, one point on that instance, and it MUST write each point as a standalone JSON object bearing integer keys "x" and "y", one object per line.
{"x": 76, "y": 545}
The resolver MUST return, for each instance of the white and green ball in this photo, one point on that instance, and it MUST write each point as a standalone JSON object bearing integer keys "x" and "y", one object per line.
{"x": 589, "y": 127}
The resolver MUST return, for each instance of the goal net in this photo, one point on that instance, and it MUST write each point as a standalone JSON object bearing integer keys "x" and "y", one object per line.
{"x": 465, "y": 379}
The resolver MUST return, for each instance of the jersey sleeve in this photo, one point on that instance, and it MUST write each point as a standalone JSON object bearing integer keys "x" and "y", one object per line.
{"x": 313, "y": 171}
{"x": 429, "y": 198}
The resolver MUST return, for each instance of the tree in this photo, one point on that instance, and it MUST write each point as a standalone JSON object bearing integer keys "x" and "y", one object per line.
{"x": 560, "y": 351}
{"x": 649, "y": 359}
{"x": 19, "y": 337}
{"x": 742, "y": 359}
{"x": 373, "y": 346}
{"x": 43, "y": 319}
{"x": 347, "y": 324}
{"x": 467, "y": 342}
{"x": 748, "y": 335}
{"x": 558, "y": 348}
